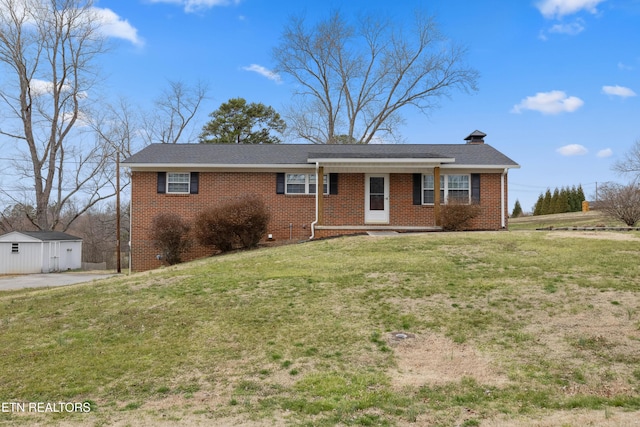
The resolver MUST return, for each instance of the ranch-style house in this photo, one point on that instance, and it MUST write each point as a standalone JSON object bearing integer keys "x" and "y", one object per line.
{"x": 315, "y": 191}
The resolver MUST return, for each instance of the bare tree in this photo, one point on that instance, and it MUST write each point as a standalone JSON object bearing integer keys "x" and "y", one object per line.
{"x": 354, "y": 80}
{"x": 620, "y": 202}
{"x": 630, "y": 163}
{"x": 47, "y": 52}
{"x": 170, "y": 122}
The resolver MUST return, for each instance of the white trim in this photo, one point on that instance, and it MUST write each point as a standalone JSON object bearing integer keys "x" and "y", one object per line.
{"x": 463, "y": 166}
{"x": 206, "y": 167}
{"x": 197, "y": 167}
{"x": 384, "y": 160}
{"x": 315, "y": 221}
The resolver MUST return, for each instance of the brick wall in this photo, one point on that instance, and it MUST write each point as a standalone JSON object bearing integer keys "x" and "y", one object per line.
{"x": 291, "y": 215}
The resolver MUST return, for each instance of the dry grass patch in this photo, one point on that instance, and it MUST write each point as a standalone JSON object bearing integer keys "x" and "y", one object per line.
{"x": 606, "y": 235}
{"x": 433, "y": 359}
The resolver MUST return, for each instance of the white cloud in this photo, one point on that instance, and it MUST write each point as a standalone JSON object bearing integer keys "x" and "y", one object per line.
{"x": 112, "y": 25}
{"x": 197, "y": 5}
{"x": 571, "y": 29}
{"x": 607, "y": 152}
{"x": 624, "y": 92}
{"x": 554, "y": 102}
{"x": 109, "y": 23}
{"x": 559, "y": 8}
{"x": 624, "y": 67}
{"x": 264, "y": 72}
{"x": 572, "y": 150}
{"x": 41, "y": 87}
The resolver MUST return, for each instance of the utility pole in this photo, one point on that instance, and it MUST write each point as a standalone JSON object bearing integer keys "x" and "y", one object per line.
{"x": 118, "y": 266}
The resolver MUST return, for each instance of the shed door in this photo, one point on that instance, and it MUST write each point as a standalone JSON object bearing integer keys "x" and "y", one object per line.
{"x": 376, "y": 209}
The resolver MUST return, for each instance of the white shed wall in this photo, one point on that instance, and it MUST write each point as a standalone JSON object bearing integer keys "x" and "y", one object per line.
{"x": 70, "y": 255}
{"x": 40, "y": 257}
{"x": 26, "y": 261}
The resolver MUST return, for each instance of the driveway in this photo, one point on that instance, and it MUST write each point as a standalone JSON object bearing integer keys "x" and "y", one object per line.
{"x": 47, "y": 280}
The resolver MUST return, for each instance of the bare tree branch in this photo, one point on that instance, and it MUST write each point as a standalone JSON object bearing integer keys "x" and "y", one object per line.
{"x": 354, "y": 80}
{"x": 175, "y": 109}
{"x": 630, "y": 163}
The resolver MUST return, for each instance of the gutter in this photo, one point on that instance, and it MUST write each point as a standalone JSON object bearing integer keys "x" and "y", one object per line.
{"x": 315, "y": 222}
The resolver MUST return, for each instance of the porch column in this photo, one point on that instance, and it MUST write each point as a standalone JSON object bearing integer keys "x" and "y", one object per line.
{"x": 320, "y": 193}
{"x": 436, "y": 194}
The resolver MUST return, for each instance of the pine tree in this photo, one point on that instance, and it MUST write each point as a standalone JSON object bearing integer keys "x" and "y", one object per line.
{"x": 580, "y": 197}
{"x": 546, "y": 203}
{"x": 555, "y": 202}
{"x": 563, "y": 201}
{"x": 537, "y": 208}
{"x": 517, "y": 210}
{"x": 573, "y": 200}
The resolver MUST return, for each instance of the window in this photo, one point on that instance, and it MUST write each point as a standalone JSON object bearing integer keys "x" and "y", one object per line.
{"x": 428, "y": 195}
{"x": 15, "y": 248}
{"x": 178, "y": 182}
{"x": 458, "y": 188}
{"x": 452, "y": 187}
{"x": 300, "y": 183}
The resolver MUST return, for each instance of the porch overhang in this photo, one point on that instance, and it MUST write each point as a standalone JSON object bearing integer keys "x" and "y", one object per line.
{"x": 379, "y": 163}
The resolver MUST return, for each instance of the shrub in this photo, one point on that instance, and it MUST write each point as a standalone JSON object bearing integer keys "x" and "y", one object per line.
{"x": 455, "y": 216}
{"x": 237, "y": 224}
{"x": 170, "y": 236}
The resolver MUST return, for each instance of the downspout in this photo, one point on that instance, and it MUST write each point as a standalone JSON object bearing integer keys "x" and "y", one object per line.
{"x": 502, "y": 197}
{"x": 315, "y": 222}
{"x": 130, "y": 228}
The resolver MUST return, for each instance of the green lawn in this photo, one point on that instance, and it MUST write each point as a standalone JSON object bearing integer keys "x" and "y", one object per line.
{"x": 495, "y": 328}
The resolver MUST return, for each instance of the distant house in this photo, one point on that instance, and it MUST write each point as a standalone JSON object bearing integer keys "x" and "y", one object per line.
{"x": 317, "y": 191}
{"x": 24, "y": 252}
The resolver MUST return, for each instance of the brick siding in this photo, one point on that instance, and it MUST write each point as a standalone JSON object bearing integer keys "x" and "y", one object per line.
{"x": 291, "y": 215}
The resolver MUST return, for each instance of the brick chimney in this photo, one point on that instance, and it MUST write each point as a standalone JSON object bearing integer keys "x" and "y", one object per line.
{"x": 476, "y": 137}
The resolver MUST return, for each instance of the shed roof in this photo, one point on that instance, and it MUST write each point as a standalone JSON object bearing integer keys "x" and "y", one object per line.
{"x": 45, "y": 236}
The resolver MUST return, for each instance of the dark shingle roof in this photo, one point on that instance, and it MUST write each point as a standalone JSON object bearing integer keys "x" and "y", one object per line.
{"x": 47, "y": 236}
{"x": 299, "y": 154}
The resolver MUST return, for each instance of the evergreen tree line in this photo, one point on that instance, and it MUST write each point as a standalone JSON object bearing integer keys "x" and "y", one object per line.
{"x": 562, "y": 200}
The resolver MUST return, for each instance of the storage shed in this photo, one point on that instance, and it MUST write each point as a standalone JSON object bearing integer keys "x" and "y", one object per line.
{"x": 24, "y": 252}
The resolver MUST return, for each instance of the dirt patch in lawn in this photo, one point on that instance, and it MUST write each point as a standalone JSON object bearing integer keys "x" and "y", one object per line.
{"x": 433, "y": 359}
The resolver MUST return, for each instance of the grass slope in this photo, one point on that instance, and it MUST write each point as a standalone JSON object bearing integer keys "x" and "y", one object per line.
{"x": 571, "y": 219}
{"x": 497, "y": 329}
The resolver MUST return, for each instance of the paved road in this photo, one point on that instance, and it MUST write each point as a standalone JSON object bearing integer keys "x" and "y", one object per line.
{"x": 44, "y": 280}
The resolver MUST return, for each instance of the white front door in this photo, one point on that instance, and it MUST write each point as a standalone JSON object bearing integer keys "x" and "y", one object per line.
{"x": 376, "y": 203}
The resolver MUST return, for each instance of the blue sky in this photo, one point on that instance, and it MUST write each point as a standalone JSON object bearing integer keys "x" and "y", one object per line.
{"x": 558, "y": 88}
